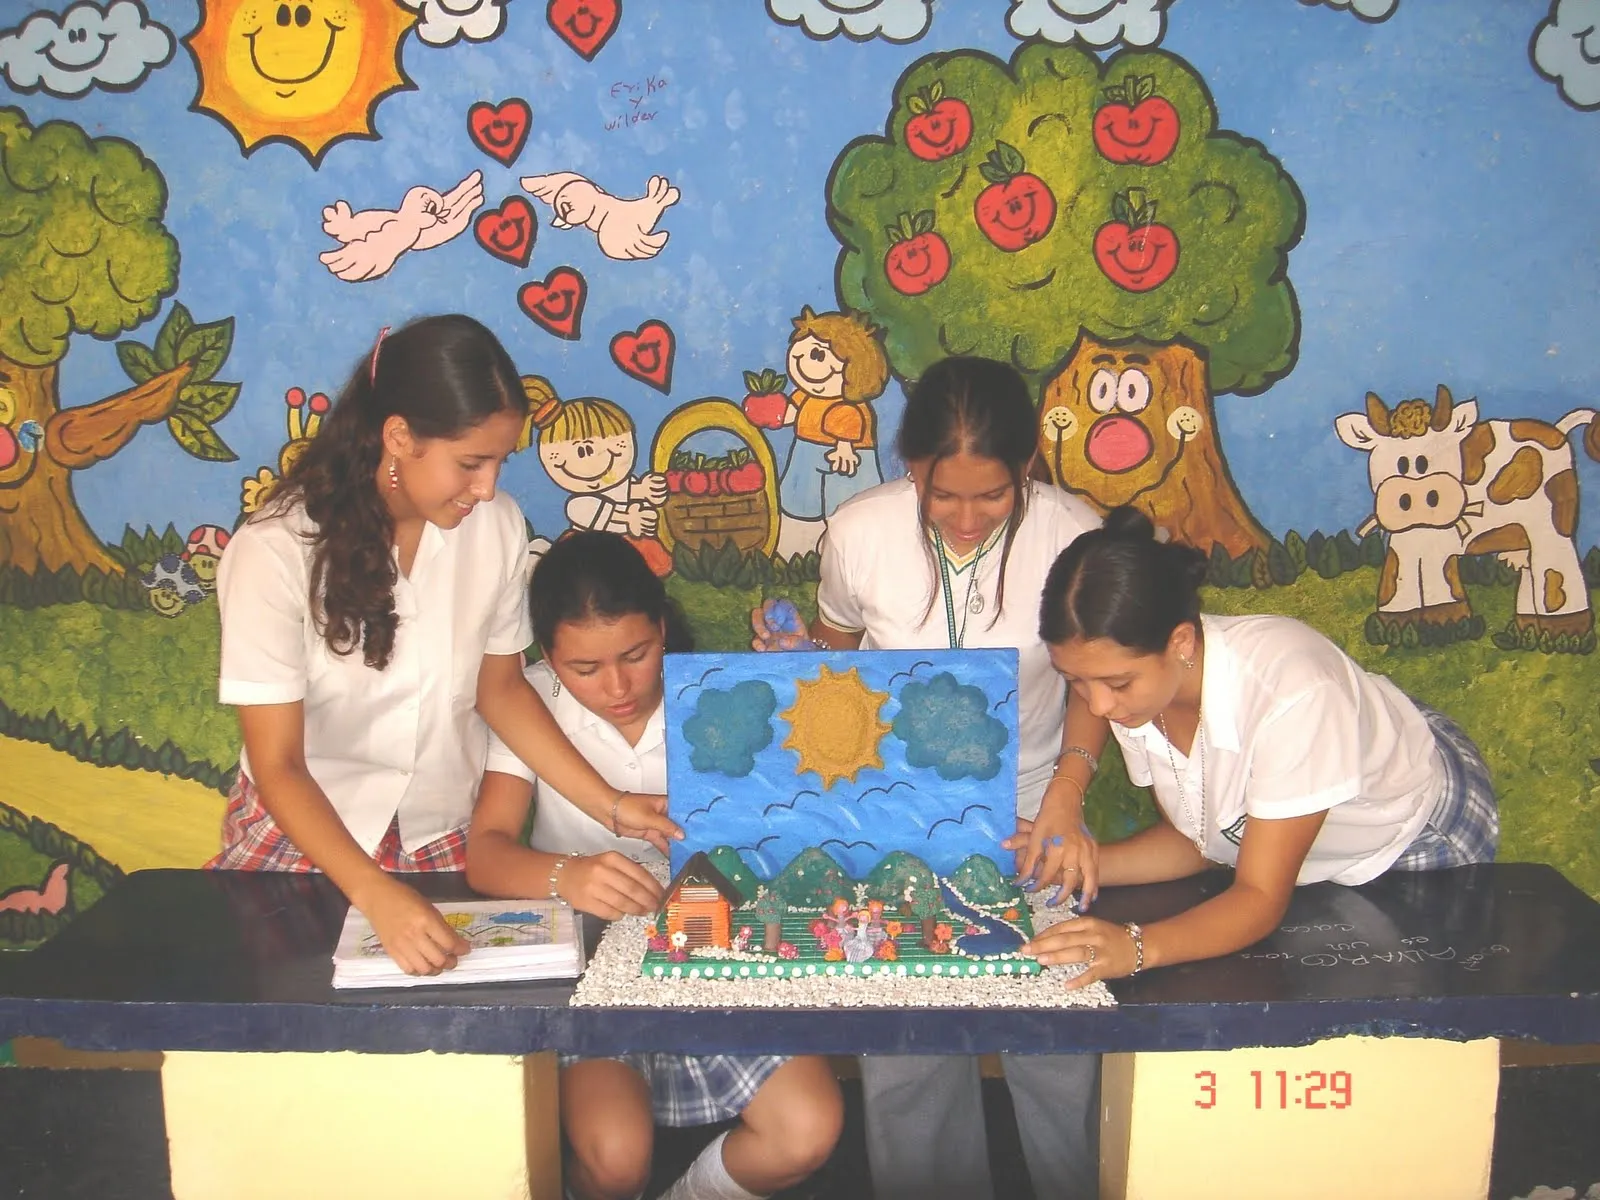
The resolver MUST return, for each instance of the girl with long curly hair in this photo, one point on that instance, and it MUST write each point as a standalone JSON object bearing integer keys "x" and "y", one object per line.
{"x": 373, "y": 621}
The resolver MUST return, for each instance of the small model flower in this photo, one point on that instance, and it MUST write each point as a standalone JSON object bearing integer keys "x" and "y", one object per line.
{"x": 941, "y": 932}
{"x": 893, "y": 928}
{"x": 819, "y": 928}
{"x": 657, "y": 942}
{"x": 651, "y": 931}
{"x": 973, "y": 930}
{"x": 833, "y": 954}
{"x": 788, "y": 950}
{"x": 887, "y": 951}
{"x": 680, "y": 939}
{"x": 1011, "y": 914}
{"x": 678, "y": 956}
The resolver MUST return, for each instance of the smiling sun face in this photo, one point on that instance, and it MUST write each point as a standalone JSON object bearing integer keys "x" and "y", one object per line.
{"x": 309, "y": 72}
{"x": 834, "y": 725}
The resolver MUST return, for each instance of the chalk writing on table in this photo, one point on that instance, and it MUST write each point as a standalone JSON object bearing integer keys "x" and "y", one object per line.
{"x": 1412, "y": 951}
{"x": 639, "y": 98}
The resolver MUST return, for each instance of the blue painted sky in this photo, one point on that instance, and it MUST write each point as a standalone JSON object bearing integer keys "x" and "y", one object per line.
{"x": 1452, "y": 231}
{"x": 775, "y": 810}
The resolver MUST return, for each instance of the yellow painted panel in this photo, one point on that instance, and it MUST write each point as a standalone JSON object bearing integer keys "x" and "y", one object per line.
{"x": 1369, "y": 1117}
{"x": 134, "y": 819}
{"x": 344, "y": 1125}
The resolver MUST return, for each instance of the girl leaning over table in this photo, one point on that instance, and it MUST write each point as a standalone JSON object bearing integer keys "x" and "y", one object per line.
{"x": 373, "y": 619}
{"x": 603, "y": 622}
{"x": 1269, "y": 750}
{"x": 953, "y": 556}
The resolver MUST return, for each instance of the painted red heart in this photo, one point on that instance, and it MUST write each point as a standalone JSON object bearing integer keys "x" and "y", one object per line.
{"x": 557, "y": 303}
{"x": 647, "y": 354}
{"x": 500, "y": 130}
{"x": 508, "y": 232}
{"x": 585, "y": 25}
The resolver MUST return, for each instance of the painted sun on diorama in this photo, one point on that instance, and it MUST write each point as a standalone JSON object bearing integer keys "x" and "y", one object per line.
{"x": 842, "y": 815}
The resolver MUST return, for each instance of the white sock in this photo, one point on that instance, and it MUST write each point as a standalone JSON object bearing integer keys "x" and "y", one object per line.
{"x": 707, "y": 1179}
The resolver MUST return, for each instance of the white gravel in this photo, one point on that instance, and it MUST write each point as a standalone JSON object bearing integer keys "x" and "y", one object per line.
{"x": 612, "y": 980}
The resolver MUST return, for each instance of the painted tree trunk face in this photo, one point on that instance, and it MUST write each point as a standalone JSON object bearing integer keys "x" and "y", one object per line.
{"x": 40, "y": 525}
{"x": 1134, "y": 423}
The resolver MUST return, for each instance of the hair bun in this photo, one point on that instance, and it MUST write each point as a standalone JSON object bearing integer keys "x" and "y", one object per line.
{"x": 1127, "y": 523}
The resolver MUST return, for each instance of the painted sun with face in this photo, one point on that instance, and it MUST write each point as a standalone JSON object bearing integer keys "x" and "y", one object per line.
{"x": 308, "y": 72}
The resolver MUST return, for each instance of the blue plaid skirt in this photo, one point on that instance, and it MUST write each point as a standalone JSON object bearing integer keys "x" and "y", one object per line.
{"x": 1464, "y": 826}
{"x": 687, "y": 1089}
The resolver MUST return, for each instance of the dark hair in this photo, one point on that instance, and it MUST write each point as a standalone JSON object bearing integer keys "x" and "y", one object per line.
{"x": 444, "y": 375}
{"x": 589, "y": 574}
{"x": 1119, "y": 582}
{"x": 975, "y": 406}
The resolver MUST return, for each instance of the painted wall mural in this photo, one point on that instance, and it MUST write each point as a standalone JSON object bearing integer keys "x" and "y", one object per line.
{"x": 1310, "y": 281}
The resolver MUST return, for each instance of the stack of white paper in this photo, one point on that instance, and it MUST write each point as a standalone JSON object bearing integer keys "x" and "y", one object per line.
{"x": 510, "y": 939}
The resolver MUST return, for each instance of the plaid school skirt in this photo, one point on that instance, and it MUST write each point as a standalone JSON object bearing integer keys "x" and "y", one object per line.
{"x": 252, "y": 841}
{"x": 1464, "y": 826}
{"x": 687, "y": 1089}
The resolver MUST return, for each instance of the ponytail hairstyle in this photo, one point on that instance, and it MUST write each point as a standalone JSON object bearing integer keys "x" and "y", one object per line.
{"x": 1121, "y": 583}
{"x": 592, "y": 574}
{"x": 978, "y": 407}
{"x": 444, "y": 375}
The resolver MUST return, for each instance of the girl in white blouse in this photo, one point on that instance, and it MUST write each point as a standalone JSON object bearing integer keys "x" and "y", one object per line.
{"x": 1267, "y": 747}
{"x": 954, "y": 555}
{"x": 373, "y": 618}
{"x": 602, "y": 618}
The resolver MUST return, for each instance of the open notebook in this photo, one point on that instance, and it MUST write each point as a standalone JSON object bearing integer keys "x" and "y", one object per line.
{"x": 510, "y": 939}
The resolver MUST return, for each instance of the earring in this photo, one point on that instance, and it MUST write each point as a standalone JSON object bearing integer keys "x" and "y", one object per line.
{"x": 394, "y": 474}
{"x": 1188, "y": 663}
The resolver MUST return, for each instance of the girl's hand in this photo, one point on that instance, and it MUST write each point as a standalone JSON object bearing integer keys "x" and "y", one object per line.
{"x": 1106, "y": 947}
{"x": 778, "y": 625}
{"x": 636, "y": 815}
{"x": 609, "y": 885}
{"x": 411, "y": 930}
{"x": 1056, "y": 848}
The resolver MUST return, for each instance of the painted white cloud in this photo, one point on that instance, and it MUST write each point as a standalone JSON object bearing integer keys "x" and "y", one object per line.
{"x": 1097, "y": 23}
{"x": 1566, "y": 51}
{"x": 892, "y": 20}
{"x": 1367, "y": 10}
{"x": 442, "y": 22}
{"x": 87, "y": 46}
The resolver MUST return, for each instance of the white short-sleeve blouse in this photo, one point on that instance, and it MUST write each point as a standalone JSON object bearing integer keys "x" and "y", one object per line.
{"x": 878, "y": 576}
{"x": 406, "y": 739}
{"x": 1292, "y": 725}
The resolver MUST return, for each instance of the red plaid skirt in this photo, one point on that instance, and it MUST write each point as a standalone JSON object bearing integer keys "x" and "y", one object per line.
{"x": 252, "y": 841}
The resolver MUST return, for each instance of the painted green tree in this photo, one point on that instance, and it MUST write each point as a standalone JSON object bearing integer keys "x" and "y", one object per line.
{"x": 1041, "y": 210}
{"x": 83, "y": 250}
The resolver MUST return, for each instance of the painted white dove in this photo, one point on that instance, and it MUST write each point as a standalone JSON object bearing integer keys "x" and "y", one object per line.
{"x": 374, "y": 238}
{"x": 622, "y": 227}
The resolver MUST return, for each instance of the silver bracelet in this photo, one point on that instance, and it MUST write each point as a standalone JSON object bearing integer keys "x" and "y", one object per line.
{"x": 555, "y": 876}
{"x": 1094, "y": 763}
{"x": 1137, "y": 935}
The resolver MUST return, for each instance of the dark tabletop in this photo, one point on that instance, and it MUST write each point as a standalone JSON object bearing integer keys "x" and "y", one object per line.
{"x": 241, "y": 961}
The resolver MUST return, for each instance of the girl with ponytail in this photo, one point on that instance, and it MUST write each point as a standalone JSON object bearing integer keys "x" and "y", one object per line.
{"x": 1268, "y": 749}
{"x": 373, "y": 621}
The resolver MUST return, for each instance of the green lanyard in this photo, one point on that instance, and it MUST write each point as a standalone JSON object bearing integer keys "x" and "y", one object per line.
{"x": 957, "y": 638}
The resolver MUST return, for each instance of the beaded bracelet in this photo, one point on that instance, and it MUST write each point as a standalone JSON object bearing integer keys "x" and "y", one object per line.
{"x": 1137, "y": 935}
{"x": 555, "y": 876}
{"x": 1080, "y": 752}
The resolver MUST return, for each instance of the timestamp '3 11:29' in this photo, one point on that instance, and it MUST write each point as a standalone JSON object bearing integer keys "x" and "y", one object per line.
{"x": 1286, "y": 1090}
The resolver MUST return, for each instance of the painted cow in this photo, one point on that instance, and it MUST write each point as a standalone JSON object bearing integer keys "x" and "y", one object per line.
{"x": 1445, "y": 484}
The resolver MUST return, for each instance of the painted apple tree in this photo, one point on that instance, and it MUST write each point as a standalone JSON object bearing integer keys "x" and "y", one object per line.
{"x": 83, "y": 250}
{"x": 1089, "y": 223}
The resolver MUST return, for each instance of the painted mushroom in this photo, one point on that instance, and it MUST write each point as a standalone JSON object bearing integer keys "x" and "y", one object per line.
{"x": 203, "y": 551}
{"x": 172, "y": 585}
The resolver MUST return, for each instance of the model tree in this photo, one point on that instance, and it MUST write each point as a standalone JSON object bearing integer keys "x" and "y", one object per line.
{"x": 83, "y": 250}
{"x": 1060, "y": 209}
{"x": 925, "y": 905}
{"x": 770, "y": 910}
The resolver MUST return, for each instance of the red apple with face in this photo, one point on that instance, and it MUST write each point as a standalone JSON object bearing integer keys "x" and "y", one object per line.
{"x": 1135, "y": 125}
{"x": 918, "y": 258}
{"x": 1016, "y": 209}
{"x": 939, "y": 125}
{"x": 1135, "y": 253}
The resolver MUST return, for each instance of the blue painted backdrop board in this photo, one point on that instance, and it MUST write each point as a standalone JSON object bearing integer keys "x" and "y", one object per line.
{"x": 947, "y": 787}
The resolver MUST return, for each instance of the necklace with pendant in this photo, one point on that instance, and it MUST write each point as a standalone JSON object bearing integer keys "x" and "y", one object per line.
{"x": 1199, "y": 839}
{"x": 973, "y": 602}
